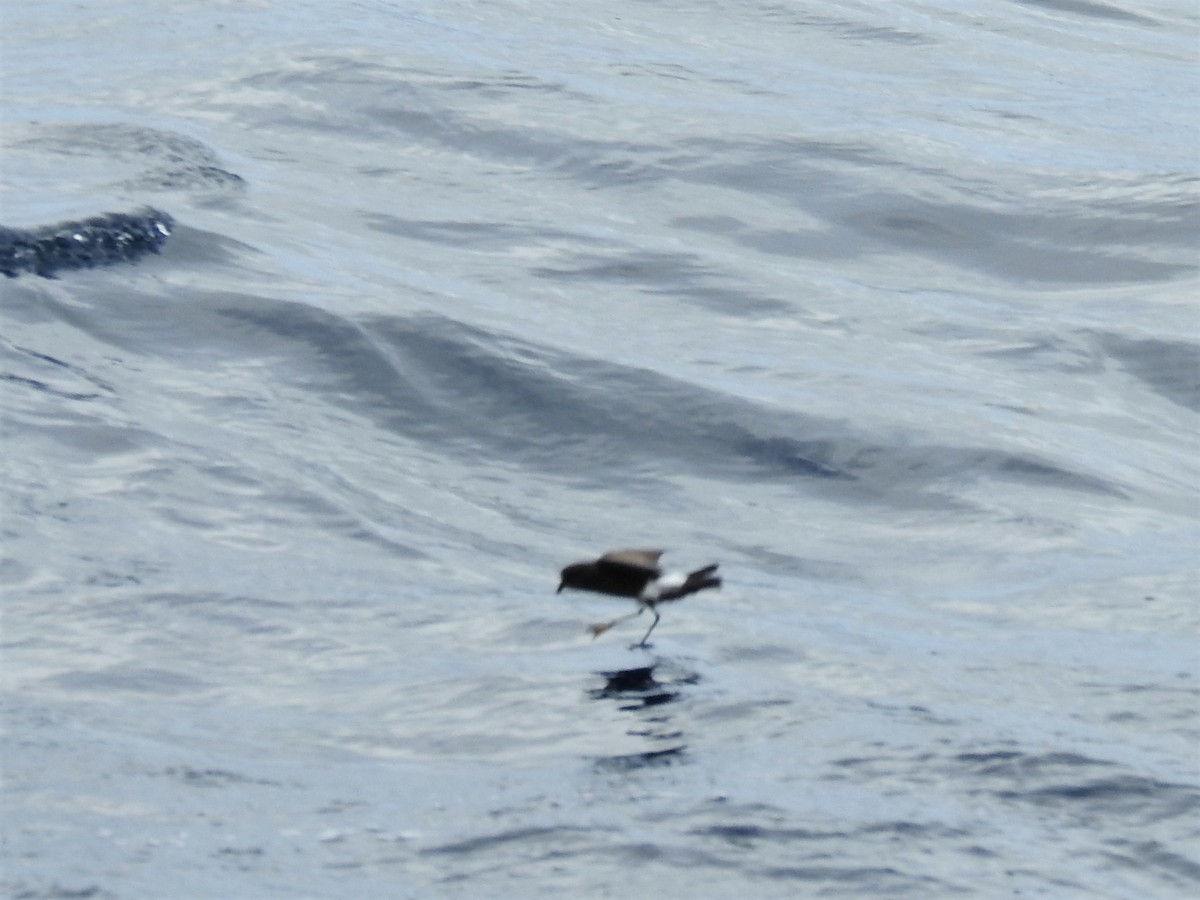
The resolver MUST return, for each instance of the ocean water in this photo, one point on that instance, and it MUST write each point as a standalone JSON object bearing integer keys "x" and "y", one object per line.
{"x": 888, "y": 308}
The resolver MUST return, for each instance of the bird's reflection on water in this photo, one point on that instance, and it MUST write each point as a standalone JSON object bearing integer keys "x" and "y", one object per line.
{"x": 646, "y": 692}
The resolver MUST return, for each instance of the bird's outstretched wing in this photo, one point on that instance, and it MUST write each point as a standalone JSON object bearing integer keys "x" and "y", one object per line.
{"x": 633, "y": 559}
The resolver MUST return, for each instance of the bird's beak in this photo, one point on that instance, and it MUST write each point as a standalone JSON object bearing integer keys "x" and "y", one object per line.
{"x": 560, "y": 587}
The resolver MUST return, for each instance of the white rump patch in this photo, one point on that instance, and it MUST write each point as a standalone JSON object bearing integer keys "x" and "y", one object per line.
{"x": 668, "y": 581}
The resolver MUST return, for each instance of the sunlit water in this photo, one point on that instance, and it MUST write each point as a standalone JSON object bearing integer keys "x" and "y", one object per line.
{"x": 888, "y": 308}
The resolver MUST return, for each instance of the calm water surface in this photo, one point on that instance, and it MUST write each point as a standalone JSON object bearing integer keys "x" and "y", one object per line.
{"x": 889, "y": 309}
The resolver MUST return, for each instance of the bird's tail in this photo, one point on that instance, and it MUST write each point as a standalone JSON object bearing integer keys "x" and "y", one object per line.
{"x": 701, "y": 579}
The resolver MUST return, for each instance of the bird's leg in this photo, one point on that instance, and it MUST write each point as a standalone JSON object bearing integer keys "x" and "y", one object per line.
{"x": 642, "y": 642}
{"x": 602, "y": 627}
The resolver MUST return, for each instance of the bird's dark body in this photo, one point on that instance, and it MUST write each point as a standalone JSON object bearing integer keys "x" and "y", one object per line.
{"x": 617, "y": 579}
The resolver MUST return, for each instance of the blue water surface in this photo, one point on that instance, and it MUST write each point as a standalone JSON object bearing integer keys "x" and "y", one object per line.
{"x": 888, "y": 308}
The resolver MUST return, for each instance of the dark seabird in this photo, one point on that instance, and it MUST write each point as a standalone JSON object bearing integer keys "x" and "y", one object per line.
{"x": 636, "y": 574}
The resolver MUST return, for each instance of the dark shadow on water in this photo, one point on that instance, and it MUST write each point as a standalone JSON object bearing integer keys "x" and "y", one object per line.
{"x": 646, "y": 692}
{"x": 99, "y": 241}
{"x": 632, "y": 762}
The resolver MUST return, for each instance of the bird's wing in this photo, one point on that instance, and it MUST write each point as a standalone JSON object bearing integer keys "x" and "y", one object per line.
{"x": 634, "y": 559}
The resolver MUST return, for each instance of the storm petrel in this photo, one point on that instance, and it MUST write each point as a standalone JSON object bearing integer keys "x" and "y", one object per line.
{"x": 635, "y": 574}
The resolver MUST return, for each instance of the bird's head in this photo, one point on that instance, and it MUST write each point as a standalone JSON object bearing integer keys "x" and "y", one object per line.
{"x": 575, "y": 576}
